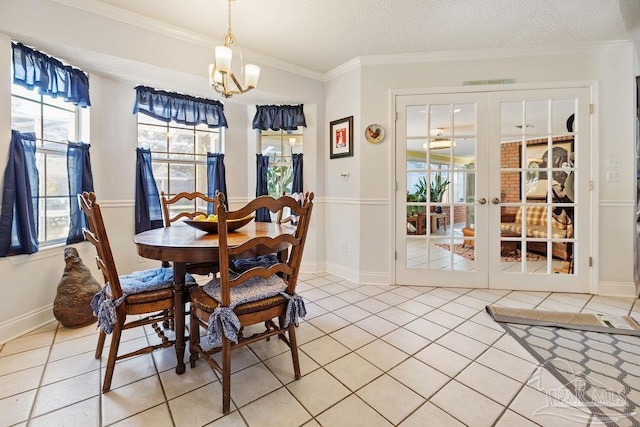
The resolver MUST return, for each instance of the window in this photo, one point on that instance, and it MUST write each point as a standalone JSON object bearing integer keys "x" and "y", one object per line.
{"x": 178, "y": 153}
{"x": 279, "y": 146}
{"x": 54, "y": 122}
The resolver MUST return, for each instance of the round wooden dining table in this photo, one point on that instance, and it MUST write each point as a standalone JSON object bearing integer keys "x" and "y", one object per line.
{"x": 181, "y": 244}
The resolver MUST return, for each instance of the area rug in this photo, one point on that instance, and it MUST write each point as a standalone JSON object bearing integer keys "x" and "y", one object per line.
{"x": 590, "y": 378}
{"x": 467, "y": 252}
{"x": 582, "y": 321}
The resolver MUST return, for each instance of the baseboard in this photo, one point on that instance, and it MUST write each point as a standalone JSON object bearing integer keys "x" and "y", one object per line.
{"x": 617, "y": 289}
{"x": 371, "y": 278}
{"x": 349, "y": 274}
{"x": 312, "y": 267}
{"x": 26, "y": 323}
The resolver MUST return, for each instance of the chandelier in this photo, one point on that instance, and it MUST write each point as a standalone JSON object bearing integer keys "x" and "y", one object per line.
{"x": 221, "y": 78}
{"x": 438, "y": 142}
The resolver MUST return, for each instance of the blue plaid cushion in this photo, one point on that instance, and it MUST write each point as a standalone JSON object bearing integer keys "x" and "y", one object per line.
{"x": 223, "y": 320}
{"x": 104, "y": 307}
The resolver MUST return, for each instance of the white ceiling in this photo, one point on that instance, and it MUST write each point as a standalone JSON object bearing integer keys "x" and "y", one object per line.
{"x": 320, "y": 35}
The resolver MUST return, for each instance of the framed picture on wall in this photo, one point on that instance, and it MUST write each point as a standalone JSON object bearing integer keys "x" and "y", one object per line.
{"x": 341, "y": 138}
{"x": 538, "y": 158}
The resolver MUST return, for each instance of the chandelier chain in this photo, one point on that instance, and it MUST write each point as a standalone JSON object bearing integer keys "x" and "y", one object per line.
{"x": 228, "y": 38}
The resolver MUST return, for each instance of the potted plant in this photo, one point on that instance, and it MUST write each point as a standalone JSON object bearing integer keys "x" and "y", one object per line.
{"x": 418, "y": 196}
{"x": 437, "y": 188}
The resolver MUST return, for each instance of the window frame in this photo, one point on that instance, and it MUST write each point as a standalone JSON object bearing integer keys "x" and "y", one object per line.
{"x": 285, "y": 154}
{"x": 166, "y": 159}
{"x": 77, "y": 130}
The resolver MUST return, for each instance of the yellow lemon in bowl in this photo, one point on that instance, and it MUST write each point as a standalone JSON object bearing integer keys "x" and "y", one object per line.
{"x": 200, "y": 218}
{"x": 212, "y": 218}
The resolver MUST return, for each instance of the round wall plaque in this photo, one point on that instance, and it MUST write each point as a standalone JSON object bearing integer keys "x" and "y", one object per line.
{"x": 374, "y": 133}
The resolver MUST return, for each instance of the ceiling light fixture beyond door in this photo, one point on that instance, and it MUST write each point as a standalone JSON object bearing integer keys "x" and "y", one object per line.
{"x": 220, "y": 74}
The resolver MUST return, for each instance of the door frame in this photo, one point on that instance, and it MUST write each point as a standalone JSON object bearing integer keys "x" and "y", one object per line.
{"x": 594, "y": 168}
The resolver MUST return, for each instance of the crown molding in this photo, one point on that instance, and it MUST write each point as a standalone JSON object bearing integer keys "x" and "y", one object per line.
{"x": 493, "y": 53}
{"x": 149, "y": 24}
{"x": 473, "y": 55}
{"x": 352, "y": 64}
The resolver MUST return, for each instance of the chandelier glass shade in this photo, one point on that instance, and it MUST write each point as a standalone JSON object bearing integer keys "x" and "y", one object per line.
{"x": 438, "y": 142}
{"x": 221, "y": 76}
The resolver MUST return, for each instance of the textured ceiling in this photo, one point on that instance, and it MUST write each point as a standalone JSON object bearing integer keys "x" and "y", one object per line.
{"x": 320, "y": 35}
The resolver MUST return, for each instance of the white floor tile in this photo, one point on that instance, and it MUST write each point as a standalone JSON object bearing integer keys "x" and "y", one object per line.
{"x": 158, "y": 416}
{"x": 282, "y": 366}
{"x": 328, "y": 323}
{"x": 199, "y": 407}
{"x": 352, "y": 313}
{"x": 176, "y": 385}
{"x": 462, "y": 344}
{"x": 352, "y": 337}
{"x": 511, "y": 419}
{"x": 68, "y": 367}
{"x": 324, "y": 350}
{"x": 406, "y": 340}
{"x": 426, "y": 328}
{"x": 397, "y": 315}
{"x": 66, "y": 392}
{"x": 318, "y": 391}
{"x": 429, "y": 414}
{"x": 25, "y": 360}
{"x": 353, "y": 371}
{"x": 251, "y": 384}
{"x": 16, "y": 408}
{"x": 489, "y": 382}
{"x": 390, "y": 398}
{"x": 383, "y": 355}
{"x": 477, "y": 410}
{"x": 479, "y": 332}
{"x": 443, "y": 359}
{"x": 277, "y": 409}
{"x": 420, "y": 377}
{"x": 350, "y": 412}
{"x": 85, "y": 413}
{"x": 20, "y": 381}
{"x": 369, "y": 355}
{"x": 27, "y": 342}
{"x": 131, "y": 399}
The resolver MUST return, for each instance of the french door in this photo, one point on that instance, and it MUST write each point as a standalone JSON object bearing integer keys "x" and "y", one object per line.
{"x": 493, "y": 189}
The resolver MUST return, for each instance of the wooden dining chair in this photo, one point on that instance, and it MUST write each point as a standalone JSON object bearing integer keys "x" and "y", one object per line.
{"x": 148, "y": 293}
{"x": 259, "y": 295}
{"x": 188, "y": 205}
{"x": 184, "y": 205}
{"x": 286, "y": 215}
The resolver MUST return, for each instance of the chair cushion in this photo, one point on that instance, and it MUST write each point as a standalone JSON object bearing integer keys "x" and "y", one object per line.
{"x": 224, "y": 321}
{"x": 103, "y": 305}
{"x": 243, "y": 264}
{"x": 252, "y": 290}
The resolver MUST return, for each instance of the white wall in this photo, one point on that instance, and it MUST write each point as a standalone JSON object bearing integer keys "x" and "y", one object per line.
{"x": 350, "y": 225}
{"x": 611, "y": 66}
{"x": 119, "y": 56}
{"x": 343, "y": 222}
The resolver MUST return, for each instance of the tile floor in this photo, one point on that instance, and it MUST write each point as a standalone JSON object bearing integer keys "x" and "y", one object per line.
{"x": 370, "y": 356}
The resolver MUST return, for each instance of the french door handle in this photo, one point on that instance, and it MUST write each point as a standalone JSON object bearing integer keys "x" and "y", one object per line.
{"x": 482, "y": 200}
{"x": 495, "y": 201}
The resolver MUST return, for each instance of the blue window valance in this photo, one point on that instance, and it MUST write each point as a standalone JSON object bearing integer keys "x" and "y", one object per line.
{"x": 277, "y": 117}
{"x": 184, "y": 109}
{"x": 33, "y": 69}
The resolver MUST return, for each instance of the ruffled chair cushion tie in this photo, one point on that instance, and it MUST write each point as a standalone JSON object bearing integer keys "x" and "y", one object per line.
{"x": 104, "y": 307}
{"x": 223, "y": 321}
{"x": 295, "y": 309}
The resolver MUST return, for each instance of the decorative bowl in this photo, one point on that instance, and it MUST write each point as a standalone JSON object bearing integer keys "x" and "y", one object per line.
{"x": 212, "y": 227}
